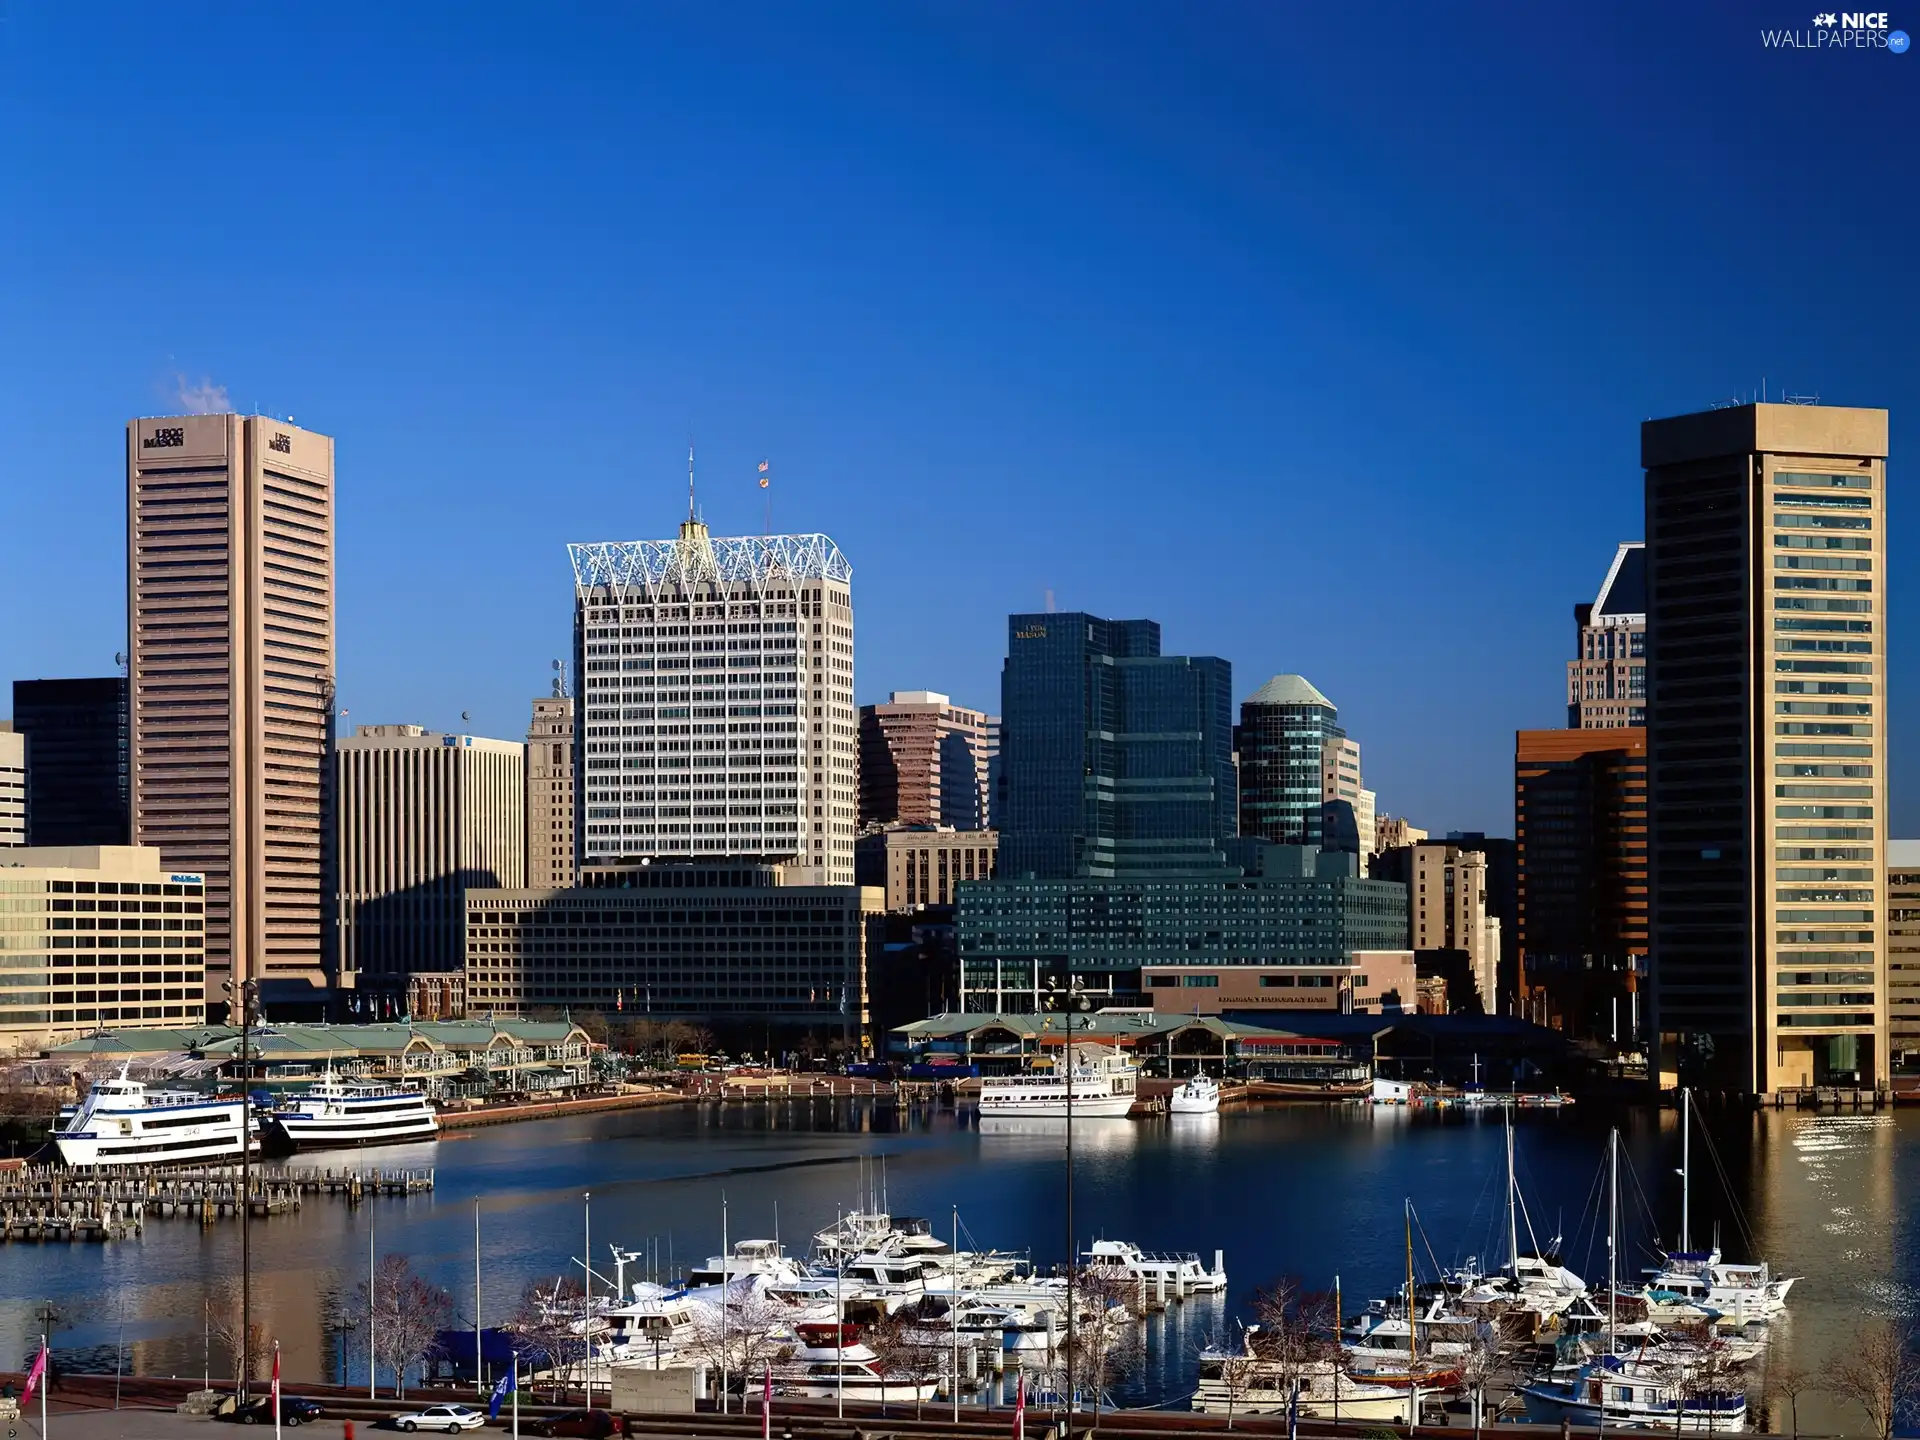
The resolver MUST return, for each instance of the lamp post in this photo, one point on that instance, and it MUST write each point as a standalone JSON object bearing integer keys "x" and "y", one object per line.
{"x": 343, "y": 1326}
{"x": 1068, "y": 1001}
{"x": 247, "y": 996}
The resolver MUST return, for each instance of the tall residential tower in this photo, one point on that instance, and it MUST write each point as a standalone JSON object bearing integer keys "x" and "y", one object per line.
{"x": 230, "y": 628}
{"x": 1607, "y": 680}
{"x": 715, "y": 707}
{"x": 550, "y": 785}
{"x": 1767, "y": 745}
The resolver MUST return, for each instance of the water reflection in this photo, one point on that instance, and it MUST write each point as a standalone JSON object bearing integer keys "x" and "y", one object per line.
{"x": 1308, "y": 1191}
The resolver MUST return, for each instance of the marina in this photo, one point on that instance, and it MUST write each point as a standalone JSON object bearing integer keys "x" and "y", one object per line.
{"x": 1319, "y": 1194}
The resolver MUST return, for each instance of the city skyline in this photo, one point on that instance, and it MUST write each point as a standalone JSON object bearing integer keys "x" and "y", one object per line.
{"x": 923, "y": 356}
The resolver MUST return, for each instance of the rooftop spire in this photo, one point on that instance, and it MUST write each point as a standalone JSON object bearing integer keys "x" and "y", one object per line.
{"x": 689, "y": 477}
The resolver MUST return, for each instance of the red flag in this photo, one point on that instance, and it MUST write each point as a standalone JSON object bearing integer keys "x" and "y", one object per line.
{"x": 766, "y": 1406}
{"x": 34, "y": 1375}
{"x": 276, "y": 1377}
{"x": 1020, "y": 1407}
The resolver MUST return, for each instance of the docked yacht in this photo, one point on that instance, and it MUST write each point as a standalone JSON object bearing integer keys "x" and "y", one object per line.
{"x": 337, "y": 1112}
{"x": 1094, "y": 1087}
{"x": 763, "y": 1260}
{"x": 1199, "y": 1096}
{"x": 1181, "y": 1271}
{"x": 1634, "y": 1394}
{"x": 1243, "y": 1383}
{"x": 122, "y": 1122}
{"x": 852, "y": 1370}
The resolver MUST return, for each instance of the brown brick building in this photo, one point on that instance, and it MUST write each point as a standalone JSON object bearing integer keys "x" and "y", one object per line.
{"x": 1580, "y": 825}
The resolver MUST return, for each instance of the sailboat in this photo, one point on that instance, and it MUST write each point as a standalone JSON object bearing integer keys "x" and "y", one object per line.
{"x": 1737, "y": 1294}
{"x": 1633, "y": 1391}
{"x": 1534, "y": 1280}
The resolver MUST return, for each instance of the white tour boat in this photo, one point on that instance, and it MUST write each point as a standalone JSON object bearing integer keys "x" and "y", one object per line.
{"x": 1096, "y": 1087}
{"x": 1240, "y": 1383}
{"x": 122, "y": 1122}
{"x": 335, "y": 1112}
{"x": 1199, "y": 1096}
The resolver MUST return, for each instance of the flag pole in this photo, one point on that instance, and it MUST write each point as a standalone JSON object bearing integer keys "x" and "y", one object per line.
{"x": 276, "y": 1390}
{"x": 46, "y": 1364}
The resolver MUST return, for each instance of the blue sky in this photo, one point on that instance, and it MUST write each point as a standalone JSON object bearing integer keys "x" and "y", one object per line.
{"x": 1319, "y": 334}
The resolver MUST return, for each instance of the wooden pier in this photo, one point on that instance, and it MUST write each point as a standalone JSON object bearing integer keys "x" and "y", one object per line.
{"x": 52, "y": 1203}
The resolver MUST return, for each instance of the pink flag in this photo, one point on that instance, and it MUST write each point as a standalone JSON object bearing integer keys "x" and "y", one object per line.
{"x": 276, "y": 1377}
{"x": 1020, "y": 1407}
{"x": 35, "y": 1375}
{"x": 766, "y": 1406}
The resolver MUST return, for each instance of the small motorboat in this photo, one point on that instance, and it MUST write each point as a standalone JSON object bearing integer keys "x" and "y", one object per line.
{"x": 1199, "y": 1096}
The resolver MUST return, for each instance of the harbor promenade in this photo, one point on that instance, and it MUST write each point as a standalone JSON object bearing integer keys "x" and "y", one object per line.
{"x": 83, "y": 1408}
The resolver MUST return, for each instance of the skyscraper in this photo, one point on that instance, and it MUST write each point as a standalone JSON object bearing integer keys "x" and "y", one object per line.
{"x": 923, "y": 761}
{"x": 715, "y": 711}
{"x": 1766, "y": 745}
{"x": 78, "y": 731}
{"x": 1580, "y": 832}
{"x": 1607, "y": 679}
{"x": 424, "y": 818}
{"x": 550, "y": 787}
{"x": 1115, "y": 759}
{"x": 230, "y": 523}
{"x": 1286, "y": 727}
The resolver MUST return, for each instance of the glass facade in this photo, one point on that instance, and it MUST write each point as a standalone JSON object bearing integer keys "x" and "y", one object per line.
{"x": 77, "y": 733}
{"x": 1285, "y": 727}
{"x": 1017, "y": 933}
{"x": 1114, "y": 759}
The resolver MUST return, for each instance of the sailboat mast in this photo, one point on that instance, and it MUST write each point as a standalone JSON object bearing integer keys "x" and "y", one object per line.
{"x": 1613, "y": 1227}
{"x": 1413, "y": 1328}
{"x": 1686, "y": 1171}
{"x": 1513, "y": 1222}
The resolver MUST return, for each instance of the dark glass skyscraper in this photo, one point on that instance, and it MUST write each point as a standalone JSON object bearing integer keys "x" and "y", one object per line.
{"x": 76, "y": 759}
{"x": 1284, "y": 729}
{"x": 1115, "y": 759}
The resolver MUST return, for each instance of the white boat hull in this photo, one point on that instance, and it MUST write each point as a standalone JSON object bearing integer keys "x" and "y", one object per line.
{"x": 1188, "y": 1105}
{"x": 334, "y": 1132}
{"x": 131, "y": 1138}
{"x": 1085, "y": 1107}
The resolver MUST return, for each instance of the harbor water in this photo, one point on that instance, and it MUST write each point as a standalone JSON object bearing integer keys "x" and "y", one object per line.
{"x": 1308, "y": 1192}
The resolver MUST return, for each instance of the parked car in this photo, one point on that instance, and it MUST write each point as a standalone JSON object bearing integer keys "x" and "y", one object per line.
{"x": 450, "y": 1418}
{"x": 594, "y": 1424}
{"x": 294, "y": 1410}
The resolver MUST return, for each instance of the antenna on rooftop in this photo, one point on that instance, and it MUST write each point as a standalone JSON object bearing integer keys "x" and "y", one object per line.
{"x": 689, "y": 477}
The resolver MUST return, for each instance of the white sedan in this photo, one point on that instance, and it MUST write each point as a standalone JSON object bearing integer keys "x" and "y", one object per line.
{"x": 450, "y": 1418}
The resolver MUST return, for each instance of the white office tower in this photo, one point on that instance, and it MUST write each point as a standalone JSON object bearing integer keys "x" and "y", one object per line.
{"x": 715, "y": 710}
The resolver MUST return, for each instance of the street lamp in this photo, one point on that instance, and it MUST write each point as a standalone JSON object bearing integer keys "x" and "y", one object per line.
{"x": 248, "y": 997}
{"x": 343, "y": 1326}
{"x": 1068, "y": 1001}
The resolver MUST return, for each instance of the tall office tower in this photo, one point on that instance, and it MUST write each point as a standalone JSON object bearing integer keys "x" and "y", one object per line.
{"x": 987, "y": 820}
{"x": 13, "y": 787}
{"x": 1285, "y": 728}
{"x": 923, "y": 761}
{"x": 1344, "y": 801}
{"x": 78, "y": 733}
{"x": 1580, "y": 834}
{"x": 1447, "y": 888}
{"x": 230, "y": 522}
{"x": 1117, "y": 760}
{"x": 1607, "y": 681}
{"x": 424, "y": 818}
{"x": 1903, "y": 951}
{"x": 1766, "y": 745}
{"x": 550, "y": 786}
{"x": 715, "y": 707}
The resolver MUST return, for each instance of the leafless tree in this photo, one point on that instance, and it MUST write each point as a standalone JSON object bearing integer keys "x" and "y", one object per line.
{"x": 1295, "y": 1336}
{"x": 223, "y": 1320}
{"x": 408, "y": 1313}
{"x": 1706, "y": 1379}
{"x": 1881, "y": 1373}
{"x": 1788, "y": 1381}
{"x": 1107, "y": 1344}
{"x": 546, "y": 1329}
{"x": 1478, "y": 1364}
{"x": 907, "y": 1351}
{"x": 1239, "y": 1369}
{"x": 740, "y": 1335}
